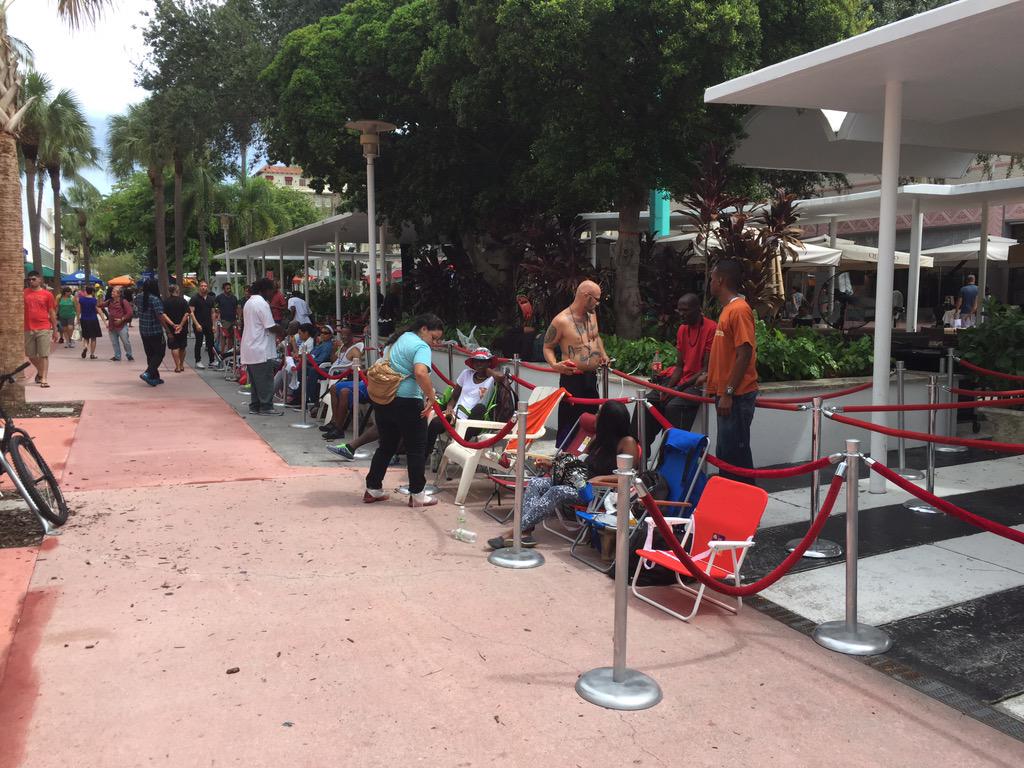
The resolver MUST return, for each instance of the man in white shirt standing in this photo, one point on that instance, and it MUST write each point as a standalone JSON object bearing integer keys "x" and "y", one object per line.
{"x": 259, "y": 347}
{"x": 299, "y": 309}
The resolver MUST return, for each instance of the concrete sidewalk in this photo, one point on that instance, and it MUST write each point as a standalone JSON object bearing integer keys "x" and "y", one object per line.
{"x": 366, "y": 636}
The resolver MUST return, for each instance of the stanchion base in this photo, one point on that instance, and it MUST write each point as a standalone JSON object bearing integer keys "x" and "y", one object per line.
{"x": 636, "y": 691}
{"x": 859, "y": 640}
{"x": 909, "y": 474}
{"x": 428, "y": 489}
{"x": 916, "y": 505}
{"x": 820, "y": 549}
{"x": 507, "y": 557}
{"x": 300, "y": 425}
{"x": 951, "y": 448}
{"x": 361, "y": 454}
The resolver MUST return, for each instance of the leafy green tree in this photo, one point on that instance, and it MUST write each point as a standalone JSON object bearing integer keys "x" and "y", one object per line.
{"x": 34, "y": 96}
{"x": 82, "y": 200}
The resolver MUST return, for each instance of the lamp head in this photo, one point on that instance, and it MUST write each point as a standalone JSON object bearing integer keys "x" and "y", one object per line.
{"x": 370, "y": 131}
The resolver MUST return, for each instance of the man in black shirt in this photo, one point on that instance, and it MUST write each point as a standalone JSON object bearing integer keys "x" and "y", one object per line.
{"x": 227, "y": 306}
{"x": 201, "y": 309}
{"x": 176, "y": 308}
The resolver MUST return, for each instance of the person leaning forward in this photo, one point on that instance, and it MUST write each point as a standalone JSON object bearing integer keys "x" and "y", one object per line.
{"x": 732, "y": 367}
{"x": 575, "y": 336}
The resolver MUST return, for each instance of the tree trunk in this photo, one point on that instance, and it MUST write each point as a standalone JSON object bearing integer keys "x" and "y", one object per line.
{"x": 156, "y": 180}
{"x": 12, "y": 270}
{"x": 58, "y": 238}
{"x": 204, "y": 250}
{"x": 179, "y": 222}
{"x": 243, "y": 170}
{"x": 83, "y": 232}
{"x": 628, "y": 324}
{"x": 33, "y": 212}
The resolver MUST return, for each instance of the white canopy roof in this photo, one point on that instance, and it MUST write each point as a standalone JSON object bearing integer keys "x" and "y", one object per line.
{"x": 854, "y": 256}
{"x": 349, "y": 228}
{"x": 968, "y": 250}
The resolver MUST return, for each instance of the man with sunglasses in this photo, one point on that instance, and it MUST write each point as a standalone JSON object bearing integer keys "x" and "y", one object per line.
{"x": 693, "y": 347}
{"x": 574, "y": 334}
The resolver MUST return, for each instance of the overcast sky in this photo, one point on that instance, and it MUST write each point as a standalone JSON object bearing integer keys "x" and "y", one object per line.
{"x": 97, "y": 63}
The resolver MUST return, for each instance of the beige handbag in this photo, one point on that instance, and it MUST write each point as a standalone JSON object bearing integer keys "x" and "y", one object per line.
{"x": 382, "y": 380}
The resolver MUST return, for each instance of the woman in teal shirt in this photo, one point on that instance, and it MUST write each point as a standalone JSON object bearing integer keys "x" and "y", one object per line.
{"x": 66, "y": 316}
{"x": 405, "y": 417}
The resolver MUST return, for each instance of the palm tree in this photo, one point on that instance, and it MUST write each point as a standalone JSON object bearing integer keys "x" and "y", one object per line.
{"x": 66, "y": 149}
{"x": 137, "y": 140}
{"x": 12, "y": 113}
{"x": 203, "y": 194}
{"x": 257, "y": 212}
{"x": 34, "y": 95}
{"x": 82, "y": 199}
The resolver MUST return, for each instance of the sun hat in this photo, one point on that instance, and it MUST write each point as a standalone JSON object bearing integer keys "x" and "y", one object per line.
{"x": 480, "y": 353}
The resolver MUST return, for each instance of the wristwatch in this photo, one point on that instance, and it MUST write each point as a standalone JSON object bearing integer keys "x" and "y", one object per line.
{"x": 730, "y": 390}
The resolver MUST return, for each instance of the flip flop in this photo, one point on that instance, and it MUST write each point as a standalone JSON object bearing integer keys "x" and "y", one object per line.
{"x": 499, "y": 542}
{"x": 44, "y": 385}
{"x": 39, "y": 379}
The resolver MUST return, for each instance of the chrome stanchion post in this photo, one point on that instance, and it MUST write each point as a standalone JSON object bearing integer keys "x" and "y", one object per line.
{"x": 850, "y": 636}
{"x": 515, "y": 556}
{"x": 915, "y": 504}
{"x": 302, "y": 396}
{"x": 951, "y": 416}
{"x": 359, "y": 454}
{"x": 604, "y": 381}
{"x": 902, "y": 469}
{"x": 515, "y": 370}
{"x": 618, "y": 687}
{"x": 705, "y": 414}
{"x": 451, "y": 360}
{"x": 641, "y": 426}
{"x": 819, "y": 549}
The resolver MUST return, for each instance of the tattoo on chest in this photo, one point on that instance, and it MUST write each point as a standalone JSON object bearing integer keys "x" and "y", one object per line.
{"x": 581, "y": 346}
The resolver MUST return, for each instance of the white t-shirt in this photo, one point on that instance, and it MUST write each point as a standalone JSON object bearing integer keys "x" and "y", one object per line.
{"x": 344, "y": 363}
{"x": 473, "y": 393}
{"x": 301, "y": 309}
{"x": 258, "y": 343}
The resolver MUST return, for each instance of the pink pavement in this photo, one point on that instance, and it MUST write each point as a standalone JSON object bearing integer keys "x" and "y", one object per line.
{"x": 279, "y": 622}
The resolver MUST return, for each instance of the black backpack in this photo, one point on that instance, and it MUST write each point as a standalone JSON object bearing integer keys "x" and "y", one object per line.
{"x": 506, "y": 402}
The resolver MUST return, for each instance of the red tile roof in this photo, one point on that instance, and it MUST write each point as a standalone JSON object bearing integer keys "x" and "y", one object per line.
{"x": 293, "y": 170}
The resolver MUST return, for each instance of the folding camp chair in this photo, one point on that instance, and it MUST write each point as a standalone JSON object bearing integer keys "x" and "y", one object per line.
{"x": 720, "y": 531}
{"x": 680, "y": 464}
{"x": 543, "y": 402}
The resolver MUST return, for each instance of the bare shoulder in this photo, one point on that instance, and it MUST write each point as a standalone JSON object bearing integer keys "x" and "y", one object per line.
{"x": 555, "y": 328}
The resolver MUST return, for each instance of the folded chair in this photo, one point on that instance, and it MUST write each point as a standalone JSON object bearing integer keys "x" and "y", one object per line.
{"x": 680, "y": 464}
{"x": 500, "y": 458}
{"x": 719, "y": 532}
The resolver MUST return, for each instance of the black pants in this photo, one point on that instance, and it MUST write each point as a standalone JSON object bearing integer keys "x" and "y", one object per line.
{"x": 204, "y": 335}
{"x": 435, "y": 428}
{"x": 400, "y": 419}
{"x": 155, "y": 348}
{"x": 680, "y": 413}
{"x": 261, "y": 386}
{"x": 577, "y": 385}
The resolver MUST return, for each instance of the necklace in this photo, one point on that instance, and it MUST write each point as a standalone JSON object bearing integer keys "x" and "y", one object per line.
{"x": 696, "y": 336}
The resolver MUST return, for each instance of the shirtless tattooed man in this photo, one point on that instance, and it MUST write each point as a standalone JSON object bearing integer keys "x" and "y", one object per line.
{"x": 575, "y": 335}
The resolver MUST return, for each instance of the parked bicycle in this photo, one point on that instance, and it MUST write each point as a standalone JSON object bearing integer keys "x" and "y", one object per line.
{"x": 28, "y": 470}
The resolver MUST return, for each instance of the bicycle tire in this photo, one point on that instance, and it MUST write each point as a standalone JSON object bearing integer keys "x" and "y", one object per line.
{"x": 38, "y": 479}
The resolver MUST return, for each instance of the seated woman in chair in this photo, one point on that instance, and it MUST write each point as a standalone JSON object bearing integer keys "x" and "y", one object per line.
{"x": 473, "y": 389}
{"x": 543, "y": 495}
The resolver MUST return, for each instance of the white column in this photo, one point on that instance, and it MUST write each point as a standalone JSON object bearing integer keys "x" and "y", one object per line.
{"x": 305, "y": 270}
{"x": 982, "y": 263}
{"x": 385, "y": 273}
{"x": 886, "y": 262}
{"x": 593, "y": 244}
{"x": 280, "y": 269}
{"x": 371, "y": 220}
{"x": 337, "y": 277}
{"x": 914, "y": 278}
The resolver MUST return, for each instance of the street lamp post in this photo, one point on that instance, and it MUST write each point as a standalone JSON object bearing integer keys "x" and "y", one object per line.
{"x": 225, "y": 224}
{"x": 369, "y": 138}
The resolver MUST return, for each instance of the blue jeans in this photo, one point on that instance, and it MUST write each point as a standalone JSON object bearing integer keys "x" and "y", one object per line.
{"x": 733, "y": 443}
{"x": 119, "y": 336}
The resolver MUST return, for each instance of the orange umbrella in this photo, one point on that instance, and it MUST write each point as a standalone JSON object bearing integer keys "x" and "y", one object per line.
{"x": 122, "y": 280}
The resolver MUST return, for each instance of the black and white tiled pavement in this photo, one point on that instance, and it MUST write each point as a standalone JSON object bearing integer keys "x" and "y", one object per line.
{"x": 950, "y": 595}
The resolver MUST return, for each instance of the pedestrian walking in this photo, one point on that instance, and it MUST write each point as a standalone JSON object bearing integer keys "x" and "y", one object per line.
{"x": 176, "y": 308}
{"x": 732, "y": 367}
{"x": 405, "y": 417}
{"x": 227, "y": 314}
{"x": 119, "y": 314}
{"x": 66, "y": 317}
{"x": 201, "y": 310}
{"x": 152, "y": 321}
{"x": 258, "y": 351}
{"x": 40, "y": 325}
{"x": 87, "y": 308}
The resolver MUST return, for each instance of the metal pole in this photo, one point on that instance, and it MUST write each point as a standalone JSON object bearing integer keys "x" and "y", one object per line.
{"x": 604, "y": 381}
{"x": 914, "y": 279}
{"x": 337, "y": 278}
{"x": 902, "y": 470}
{"x": 515, "y": 556}
{"x": 849, "y": 636}
{"x": 913, "y": 503}
{"x": 618, "y": 687}
{"x": 371, "y": 216}
{"x": 451, "y": 361}
{"x": 360, "y": 453}
{"x": 302, "y": 394}
{"x": 820, "y": 549}
{"x": 515, "y": 370}
{"x": 641, "y": 426}
{"x": 280, "y": 269}
{"x": 305, "y": 270}
{"x": 950, "y": 366}
{"x": 982, "y": 266}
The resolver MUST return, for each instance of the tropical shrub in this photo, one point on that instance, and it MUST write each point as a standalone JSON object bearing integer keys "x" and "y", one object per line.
{"x": 998, "y": 343}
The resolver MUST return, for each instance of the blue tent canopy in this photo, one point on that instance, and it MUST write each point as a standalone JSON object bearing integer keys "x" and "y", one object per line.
{"x": 78, "y": 278}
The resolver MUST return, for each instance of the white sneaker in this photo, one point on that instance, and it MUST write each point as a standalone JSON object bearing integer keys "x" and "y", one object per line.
{"x": 200, "y": 365}
{"x": 421, "y": 500}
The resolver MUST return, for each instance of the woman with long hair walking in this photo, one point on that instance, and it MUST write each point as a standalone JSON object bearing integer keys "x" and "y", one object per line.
{"x": 152, "y": 321}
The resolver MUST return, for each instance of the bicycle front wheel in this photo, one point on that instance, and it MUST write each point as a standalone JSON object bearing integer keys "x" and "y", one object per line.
{"x": 38, "y": 479}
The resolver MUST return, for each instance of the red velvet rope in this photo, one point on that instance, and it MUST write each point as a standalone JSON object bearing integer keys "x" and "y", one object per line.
{"x": 325, "y": 374}
{"x": 488, "y": 443}
{"x": 596, "y": 400}
{"x": 441, "y": 376}
{"x": 659, "y": 388}
{"x": 801, "y": 469}
{"x": 997, "y": 374}
{"x": 947, "y": 507}
{"x": 659, "y": 417}
{"x": 987, "y": 392}
{"x": 823, "y": 396}
{"x": 1009, "y": 403}
{"x": 987, "y": 445}
{"x": 532, "y": 367}
{"x": 763, "y": 583}
{"x": 522, "y": 382}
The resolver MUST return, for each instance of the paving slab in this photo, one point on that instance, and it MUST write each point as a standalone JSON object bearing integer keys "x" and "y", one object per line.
{"x": 16, "y": 566}
{"x": 53, "y": 437}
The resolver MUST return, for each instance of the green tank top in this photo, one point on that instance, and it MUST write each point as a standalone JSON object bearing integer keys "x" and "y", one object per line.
{"x": 66, "y": 309}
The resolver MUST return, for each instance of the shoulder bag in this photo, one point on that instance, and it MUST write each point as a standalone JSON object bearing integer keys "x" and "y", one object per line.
{"x": 382, "y": 380}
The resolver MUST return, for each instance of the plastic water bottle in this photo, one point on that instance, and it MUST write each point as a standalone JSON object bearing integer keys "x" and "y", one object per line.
{"x": 656, "y": 366}
{"x": 460, "y": 532}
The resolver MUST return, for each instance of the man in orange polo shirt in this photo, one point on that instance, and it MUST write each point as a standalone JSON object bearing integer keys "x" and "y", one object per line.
{"x": 732, "y": 367}
{"x": 40, "y": 325}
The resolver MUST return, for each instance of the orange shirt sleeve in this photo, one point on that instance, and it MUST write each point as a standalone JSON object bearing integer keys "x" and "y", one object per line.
{"x": 742, "y": 322}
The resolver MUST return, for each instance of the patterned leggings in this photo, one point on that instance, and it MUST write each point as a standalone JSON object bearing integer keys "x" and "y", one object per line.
{"x": 541, "y": 499}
